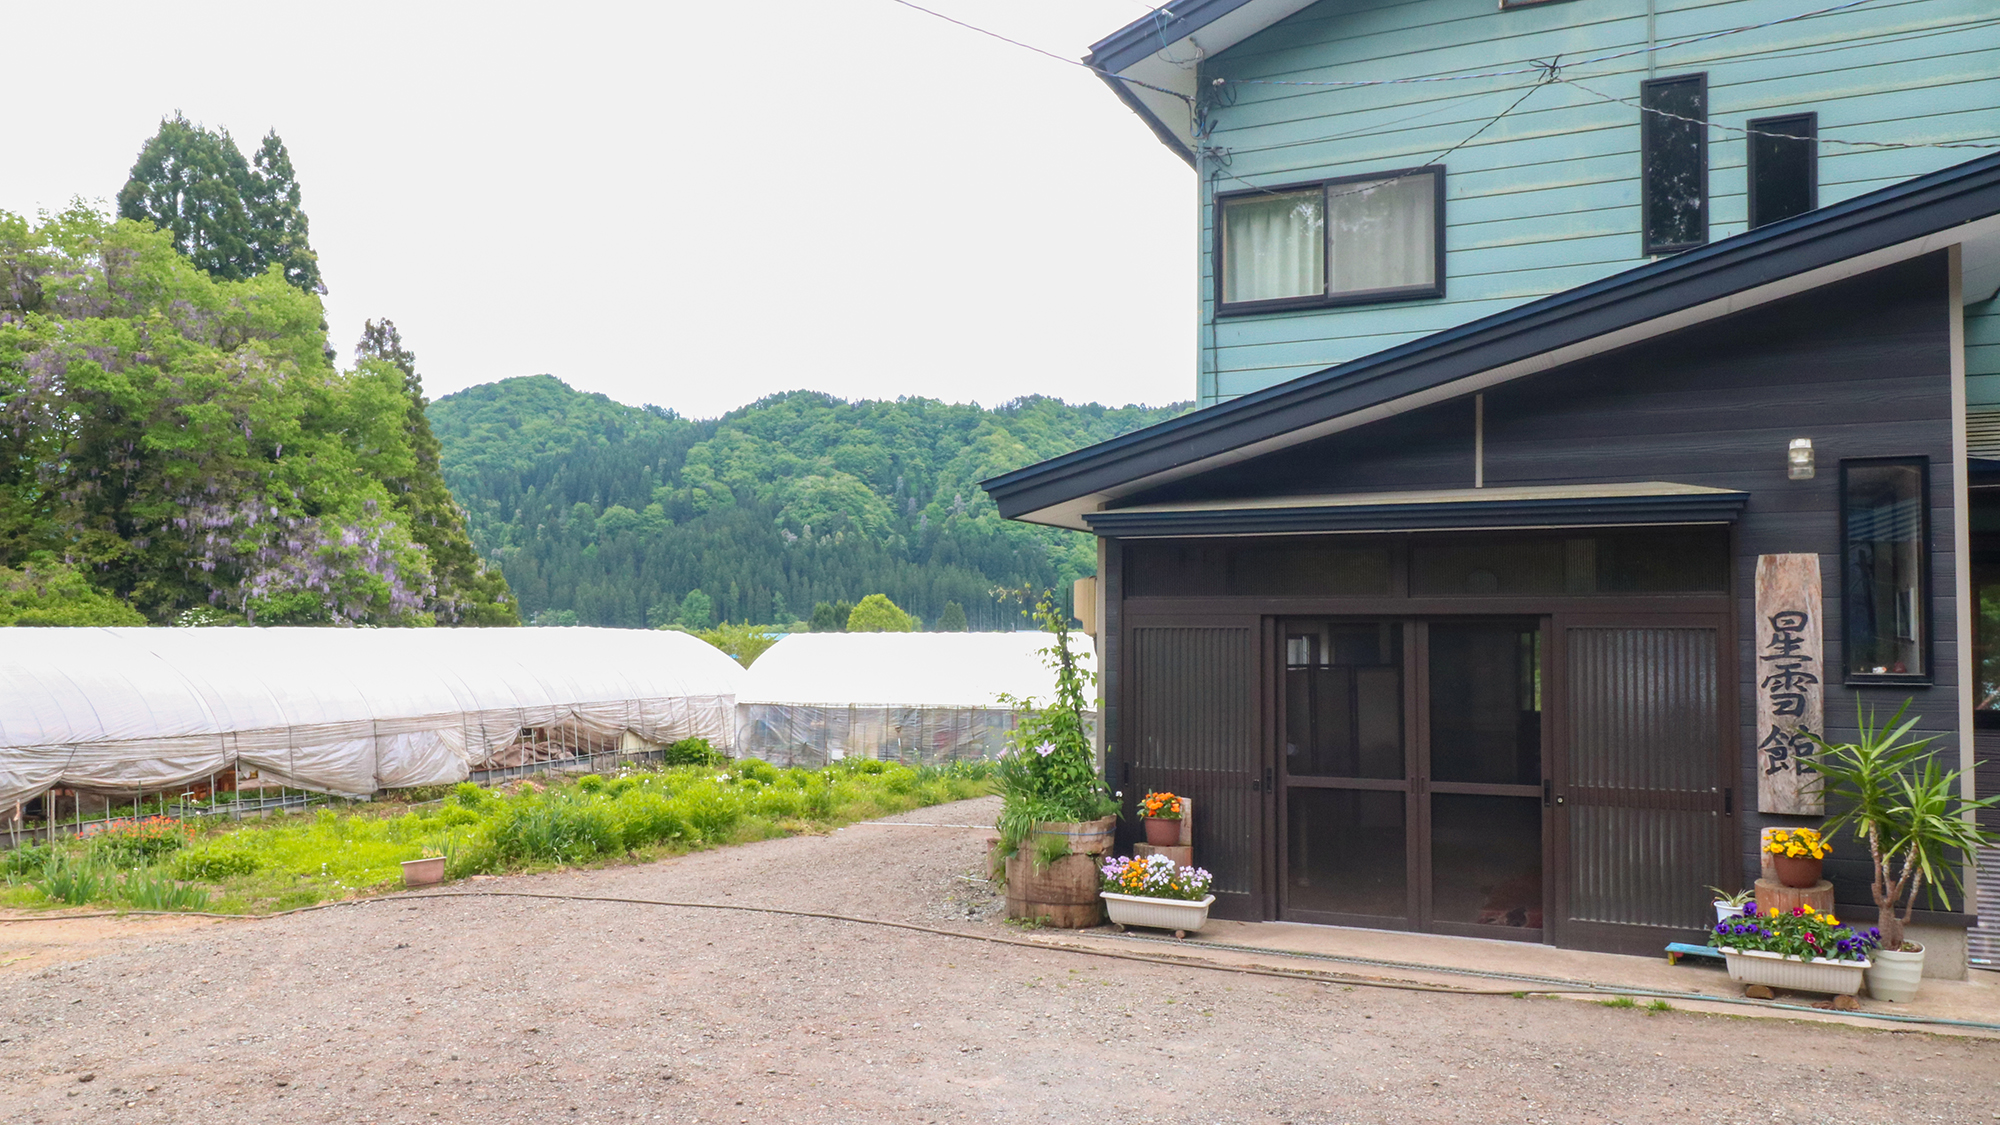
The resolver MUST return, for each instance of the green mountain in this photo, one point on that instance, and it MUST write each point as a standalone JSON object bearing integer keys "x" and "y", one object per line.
{"x": 615, "y": 514}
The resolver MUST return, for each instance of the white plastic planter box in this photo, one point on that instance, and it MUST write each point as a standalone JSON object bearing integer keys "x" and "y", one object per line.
{"x": 1158, "y": 913}
{"x": 1754, "y": 966}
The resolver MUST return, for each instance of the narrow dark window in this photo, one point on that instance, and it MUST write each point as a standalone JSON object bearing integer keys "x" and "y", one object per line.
{"x": 1673, "y": 163}
{"x": 1885, "y": 579}
{"x": 1784, "y": 167}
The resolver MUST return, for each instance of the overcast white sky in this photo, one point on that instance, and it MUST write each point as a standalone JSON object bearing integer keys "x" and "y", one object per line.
{"x": 691, "y": 204}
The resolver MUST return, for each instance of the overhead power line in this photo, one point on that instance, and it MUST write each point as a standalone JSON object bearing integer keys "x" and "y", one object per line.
{"x": 1591, "y": 61}
{"x": 1097, "y": 70}
{"x": 1741, "y": 131}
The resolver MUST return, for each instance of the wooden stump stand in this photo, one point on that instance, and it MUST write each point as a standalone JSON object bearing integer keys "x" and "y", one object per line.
{"x": 1772, "y": 893}
{"x": 1181, "y": 854}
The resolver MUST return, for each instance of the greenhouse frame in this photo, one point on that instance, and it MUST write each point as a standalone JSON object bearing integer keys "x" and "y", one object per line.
{"x": 93, "y": 715}
{"x": 916, "y": 698}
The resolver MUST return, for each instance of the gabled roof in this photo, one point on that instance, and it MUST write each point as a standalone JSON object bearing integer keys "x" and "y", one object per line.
{"x": 1159, "y": 53}
{"x": 1956, "y": 206}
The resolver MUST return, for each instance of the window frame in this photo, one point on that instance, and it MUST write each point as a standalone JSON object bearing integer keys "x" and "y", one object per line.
{"x": 1811, "y": 137}
{"x": 1323, "y": 299}
{"x": 1926, "y": 595}
{"x": 1646, "y": 245}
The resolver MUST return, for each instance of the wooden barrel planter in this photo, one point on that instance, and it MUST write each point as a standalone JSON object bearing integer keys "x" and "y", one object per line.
{"x": 1085, "y": 837}
{"x": 1063, "y": 894}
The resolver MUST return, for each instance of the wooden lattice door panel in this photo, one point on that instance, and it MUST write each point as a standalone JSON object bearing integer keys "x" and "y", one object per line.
{"x": 1193, "y": 727}
{"x": 1642, "y": 809}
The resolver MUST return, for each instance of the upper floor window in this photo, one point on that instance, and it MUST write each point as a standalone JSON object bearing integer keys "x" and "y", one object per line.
{"x": 1357, "y": 239}
{"x": 1784, "y": 167}
{"x": 1673, "y": 163}
{"x": 1885, "y": 579}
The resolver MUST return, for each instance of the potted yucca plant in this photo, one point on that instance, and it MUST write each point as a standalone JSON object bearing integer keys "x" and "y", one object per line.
{"x": 1889, "y": 789}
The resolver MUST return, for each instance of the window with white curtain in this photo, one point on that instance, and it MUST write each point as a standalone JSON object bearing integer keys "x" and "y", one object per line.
{"x": 1346, "y": 241}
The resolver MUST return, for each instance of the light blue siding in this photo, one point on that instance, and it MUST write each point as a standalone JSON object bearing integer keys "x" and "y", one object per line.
{"x": 1547, "y": 197}
{"x": 1982, "y": 355}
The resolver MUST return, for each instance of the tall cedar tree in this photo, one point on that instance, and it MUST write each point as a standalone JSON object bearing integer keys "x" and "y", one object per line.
{"x": 231, "y": 219}
{"x": 468, "y": 593}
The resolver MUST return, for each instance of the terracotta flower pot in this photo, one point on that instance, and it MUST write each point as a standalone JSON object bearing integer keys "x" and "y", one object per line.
{"x": 423, "y": 872}
{"x": 1163, "y": 833}
{"x": 1802, "y": 871}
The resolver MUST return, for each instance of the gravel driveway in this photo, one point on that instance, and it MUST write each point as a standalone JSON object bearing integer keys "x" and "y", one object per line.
{"x": 506, "y": 1010}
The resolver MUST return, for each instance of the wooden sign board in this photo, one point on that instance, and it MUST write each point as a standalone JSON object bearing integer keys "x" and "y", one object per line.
{"x": 1791, "y": 692}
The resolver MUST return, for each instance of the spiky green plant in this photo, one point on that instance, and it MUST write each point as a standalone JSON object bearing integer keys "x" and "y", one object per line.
{"x": 1891, "y": 792}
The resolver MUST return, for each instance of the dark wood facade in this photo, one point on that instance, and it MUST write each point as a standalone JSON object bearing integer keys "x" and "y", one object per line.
{"x": 1642, "y": 806}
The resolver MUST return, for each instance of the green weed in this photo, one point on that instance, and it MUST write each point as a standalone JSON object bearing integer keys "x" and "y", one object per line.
{"x": 1619, "y": 1002}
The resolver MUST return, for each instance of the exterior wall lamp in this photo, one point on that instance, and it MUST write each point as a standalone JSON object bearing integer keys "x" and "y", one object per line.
{"x": 1799, "y": 459}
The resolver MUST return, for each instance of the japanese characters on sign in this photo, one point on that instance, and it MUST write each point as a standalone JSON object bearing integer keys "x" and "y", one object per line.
{"x": 1789, "y": 680}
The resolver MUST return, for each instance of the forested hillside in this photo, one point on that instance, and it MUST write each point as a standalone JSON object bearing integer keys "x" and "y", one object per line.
{"x": 608, "y": 514}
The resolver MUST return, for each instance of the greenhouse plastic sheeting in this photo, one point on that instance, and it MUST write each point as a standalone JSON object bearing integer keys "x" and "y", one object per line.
{"x": 917, "y": 698}
{"x": 344, "y": 711}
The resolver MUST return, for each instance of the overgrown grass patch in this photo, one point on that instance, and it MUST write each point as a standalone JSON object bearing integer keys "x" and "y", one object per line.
{"x": 303, "y": 858}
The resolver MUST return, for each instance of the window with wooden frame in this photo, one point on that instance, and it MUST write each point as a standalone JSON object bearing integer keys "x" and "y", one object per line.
{"x": 1673, "y": 163}
{"x": 1352, "y": 240}
{"x": 1885, "y": 570}
{"x": 1783, "y": 167}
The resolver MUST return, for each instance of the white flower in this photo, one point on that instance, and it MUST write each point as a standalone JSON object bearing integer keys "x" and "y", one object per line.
{"x": 1045, "y": 749}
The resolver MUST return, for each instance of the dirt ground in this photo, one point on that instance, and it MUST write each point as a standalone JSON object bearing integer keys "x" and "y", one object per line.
{"x": 506, "y": 1010}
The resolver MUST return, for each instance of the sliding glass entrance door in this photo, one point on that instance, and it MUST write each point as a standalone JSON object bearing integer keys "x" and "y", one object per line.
{"x": 1412, "y": 790}
{"x": 1482, "y": 788}
{"x": 1345, "y": 801}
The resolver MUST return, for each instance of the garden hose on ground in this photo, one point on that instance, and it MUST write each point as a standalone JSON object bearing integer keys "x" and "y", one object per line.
{"x": 1536, "y": 986}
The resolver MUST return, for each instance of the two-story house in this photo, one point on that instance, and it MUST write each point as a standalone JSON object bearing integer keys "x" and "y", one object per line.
{"x": 1593, "y": 393}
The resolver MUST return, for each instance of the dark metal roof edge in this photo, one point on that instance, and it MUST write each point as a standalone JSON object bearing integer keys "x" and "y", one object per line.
{"x": 1150, "y": 33}
{"x": 1770, "y": 253}
{"x": 1160, "y": 129}
{"x": 1719, "y": 507}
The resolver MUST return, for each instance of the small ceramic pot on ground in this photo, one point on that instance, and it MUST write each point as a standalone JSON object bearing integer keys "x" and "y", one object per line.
{"x": 423, "y": 872}
{"x": 1797, "y": 872}
{"x": 1893, "y": 974}
{"x": 1163, "y": 833}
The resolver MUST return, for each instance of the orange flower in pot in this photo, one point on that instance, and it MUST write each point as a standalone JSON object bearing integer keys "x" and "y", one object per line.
{"x": 1162, "y": 813}
{"x": 1797, "y": 854}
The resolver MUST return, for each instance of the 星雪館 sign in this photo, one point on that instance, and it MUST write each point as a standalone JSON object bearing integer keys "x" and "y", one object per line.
{"x": 1790, "y": 683}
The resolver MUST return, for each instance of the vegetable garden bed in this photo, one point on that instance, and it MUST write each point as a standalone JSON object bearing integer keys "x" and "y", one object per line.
{"x": 300, "y": 858}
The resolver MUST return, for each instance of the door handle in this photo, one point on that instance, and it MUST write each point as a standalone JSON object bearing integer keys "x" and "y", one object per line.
{"x": 1269, "y": 787}
{"x": 1548, "y": 788}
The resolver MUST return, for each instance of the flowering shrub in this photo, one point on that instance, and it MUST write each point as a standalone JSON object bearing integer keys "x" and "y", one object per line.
{"x": 126, "y": 840}
{"x": 1160, "y": 806}
{"x": 1154, "y": 876}
{"x": 1804, "y": 933}
{"x": 1797, "y": 843}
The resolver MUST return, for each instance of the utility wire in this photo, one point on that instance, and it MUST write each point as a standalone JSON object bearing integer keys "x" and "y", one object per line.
{"x": 1097, "y": 70}
{"x": 1548, "y": 71}
{"x": 1591, "y": 61}
{"x": 1825, "y": 140}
